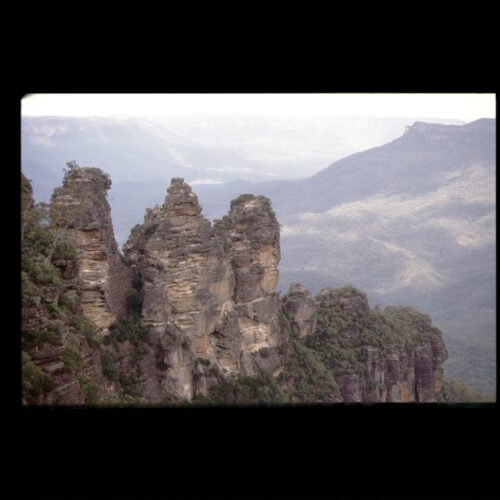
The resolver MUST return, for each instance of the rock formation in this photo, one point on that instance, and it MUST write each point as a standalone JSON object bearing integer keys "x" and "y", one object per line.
{"x": 208, "y": 292}
{"x": 80, "y": 207}
{"x": 193, "y": 306}
{"x": 52, "y": 340}
{"x": 300, "y": 309}
{"x": 394, "y": 356}
{"x": 252, "y": 235}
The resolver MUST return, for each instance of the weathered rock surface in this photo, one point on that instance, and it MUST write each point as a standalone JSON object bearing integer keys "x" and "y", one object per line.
{"x": 80, "y": 208}
{"x": 252, "y": 235}
{"x": 301, "y": 310}
{"x": 208, "y": 292}
{"x": 55, "y": 337}
{"x": 384, "y": 364}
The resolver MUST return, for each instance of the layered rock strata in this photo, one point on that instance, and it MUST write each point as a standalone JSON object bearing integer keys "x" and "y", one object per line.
{"x": 80, "y": 209}
{"x": 208, "y": 297}
{"x": 208, "y": 292}
{"x": 395, "y": 356}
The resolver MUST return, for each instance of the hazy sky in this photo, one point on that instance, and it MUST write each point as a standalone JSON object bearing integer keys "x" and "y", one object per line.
{"x": 465, "y": 107}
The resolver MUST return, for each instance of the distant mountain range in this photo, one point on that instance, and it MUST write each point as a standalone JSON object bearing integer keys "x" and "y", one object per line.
{"x": 141, "y": 155}
{"x": 411, "y": 222}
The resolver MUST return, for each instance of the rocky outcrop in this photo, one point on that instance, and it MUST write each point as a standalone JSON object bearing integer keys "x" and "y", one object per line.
{"x": 80, "y": 209}
{"x": 208, "y": 292}
{"x": 251, "y": 232}
{"x": 206, "y": 296}
{"x": 187, "y": 286}
{"x": 300, "y": 309}
{"x": 53, "y": 346}
{"x": 394, "y": 356}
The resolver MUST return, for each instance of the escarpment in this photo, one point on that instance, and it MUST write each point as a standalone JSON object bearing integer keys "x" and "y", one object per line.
{"x": 191, "y": 313}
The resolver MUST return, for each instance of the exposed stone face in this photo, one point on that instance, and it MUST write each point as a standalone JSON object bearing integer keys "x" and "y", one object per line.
{"x": 406, "y": 369}
{"x": 300, "y": 308}
{"x": 253, "y": 237}
{"x": 208, "y": 296}
{"x": 208, "y": 292}
{"x": 81, "y": 207}
{"x": 187, "y": 285}
{"x": 66, "y": 389}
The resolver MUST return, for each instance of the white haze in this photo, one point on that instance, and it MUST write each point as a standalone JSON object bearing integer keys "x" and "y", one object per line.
{"x": 466, "y": 107}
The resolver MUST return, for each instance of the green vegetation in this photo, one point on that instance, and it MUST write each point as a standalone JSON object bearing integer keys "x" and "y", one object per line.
{"x": 311, "y": 364}
{"x": 72, "y": 359}
{"x": 73, "y": 170}
{"x": 242, "y": 198}
{"x": 260, "y": 389}
{"x": 82, "y": 325}
{"x": 49, "y": 333}
{"x": 110, "y": 365}
{"x": 89, "y": 389}
{"x": 458, "y": 392}
{"x": 130, "y": 328}
{"x": 65, "y": 250}
{"x": 54, "y": 311}
{"x": 49, "y": 317}
{"x": 130, "y": 384}
{"x": 224, "y": 223}
{"x": 35, "y": 383}
{"x": 305, "y": 377}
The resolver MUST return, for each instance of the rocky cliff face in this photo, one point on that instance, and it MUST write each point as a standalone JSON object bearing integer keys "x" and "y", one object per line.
{"x": 192, "y": 312}
{"x": 208, "y": 292}
{"x": 300, "y": 309}
{"x": 61, "y": 362}
{"x": 390, "y": 356}
{"x": 80, "y": 207}
{"x": 251, "y": 233}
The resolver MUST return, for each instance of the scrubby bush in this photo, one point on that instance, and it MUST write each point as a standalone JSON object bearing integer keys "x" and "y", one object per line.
{"x": 35, "y": 382}
{"x": 110, "y": 365}
{"x": 130, "y": 328}
{"x": 245, "y": 390}
{"x": 84, "y": 326}
{"x": 89, "y": 389}
{"x": 455, "y": 391}
{"x": 72, "y": 359}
